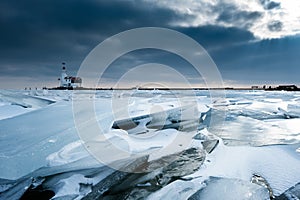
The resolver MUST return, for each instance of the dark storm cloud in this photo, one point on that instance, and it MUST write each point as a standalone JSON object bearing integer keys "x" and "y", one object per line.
{"x": 41, "y": 18}
{"x": 275, "y": 26}
{"x": 231, "y": 14}
{"x": 144, "y": 56}
{"x": 275, "y": 60}
{"x": 37, "y": 34}
{"x": 268, "y": 5}
{"x": 212, "y": 37}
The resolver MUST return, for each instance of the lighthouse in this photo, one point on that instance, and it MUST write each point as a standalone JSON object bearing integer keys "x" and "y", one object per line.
{"x": 63, "y": 77}
{"x": 69, "y": 81}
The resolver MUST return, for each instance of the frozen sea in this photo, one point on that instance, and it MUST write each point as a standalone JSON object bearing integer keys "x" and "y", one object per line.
{"x": 149, "y": 144}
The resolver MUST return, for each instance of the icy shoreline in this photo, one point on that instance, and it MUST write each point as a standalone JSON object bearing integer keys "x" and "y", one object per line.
{"x": 41, "y": 141}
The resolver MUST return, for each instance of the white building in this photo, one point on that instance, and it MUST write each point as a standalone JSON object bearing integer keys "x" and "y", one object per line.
{"x": 69, "y": 81}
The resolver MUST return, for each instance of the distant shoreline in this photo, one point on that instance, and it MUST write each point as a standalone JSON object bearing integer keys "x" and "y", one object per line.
{"x": 83, "y": 88}
{"x": 279, "y": 88}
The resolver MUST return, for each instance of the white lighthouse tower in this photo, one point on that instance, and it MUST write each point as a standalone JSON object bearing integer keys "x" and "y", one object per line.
{"x": 63, "y": 77}
{"x": 69, "y": 81}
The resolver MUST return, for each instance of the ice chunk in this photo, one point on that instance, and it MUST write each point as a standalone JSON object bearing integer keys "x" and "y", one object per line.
{"x": 23, "y": 100}
{"x": 291, "y": 194}
{"x": 177, "y": 190}
{"x": 69, "y": 153}
{"x": 71, "y": 186}
{"x": 154, "y": 175}
{"x": 241, "y": 162}
{"x": 241, "y": 130}
{"x": 231, "y": 189}
{"x": 8, "y": 111}
{"x": 17, "y": 190}
{"x": 294, "y": 109}
{"x": 210, "y": 145}
{"x": 259, "y": 180}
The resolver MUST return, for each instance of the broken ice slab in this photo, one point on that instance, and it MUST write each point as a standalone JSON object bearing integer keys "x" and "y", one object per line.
{"x": 293, "y": 109}
{"x": 152, "y": 176}
{"x": 210, "y": 145}
{"x": 26, "y": 137}
{"x": 17, "y": 190}
{"x": 181, "y": 118}
{"x": 259, "y": 180}
{"x": 291, "y": 194}
{"x": 230, "y": 189}
{"x": 240, "y": 130}
{"x": 24, "y": 100}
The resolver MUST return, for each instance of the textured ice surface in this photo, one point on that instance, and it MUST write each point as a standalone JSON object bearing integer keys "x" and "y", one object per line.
{"x": 35, "y": 135}
{"x": 278, "y": 164}
{"x": 32, "y": 137}
{"x": 38, "y": 138}
{"x": 25, "y": 100}
{"x": 8, "y": 110}
{"x": 230, "y": 189}
{"x": 258, "y": 118}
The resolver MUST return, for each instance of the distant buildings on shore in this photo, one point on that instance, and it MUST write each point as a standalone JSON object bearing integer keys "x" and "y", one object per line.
{"x": 276, "y": 88}
{"x": 284, "y": 88}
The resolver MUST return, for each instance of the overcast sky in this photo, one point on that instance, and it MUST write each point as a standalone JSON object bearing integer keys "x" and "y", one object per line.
{"x": 252, "y": 42}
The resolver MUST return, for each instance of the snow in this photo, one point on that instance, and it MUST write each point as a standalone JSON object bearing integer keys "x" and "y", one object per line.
{"x": 9, "y": 111}
{"x": 260, "y": 135}
{"x": 69, "y": 153}
{"x": 241, "y": 162}
{"x": 78, "y": 185}
{"x": 278, "y": 164}
{"x": 26, "y": 137}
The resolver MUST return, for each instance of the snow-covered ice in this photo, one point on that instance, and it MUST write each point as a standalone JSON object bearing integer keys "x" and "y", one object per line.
{"x": 258, "y": 133}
